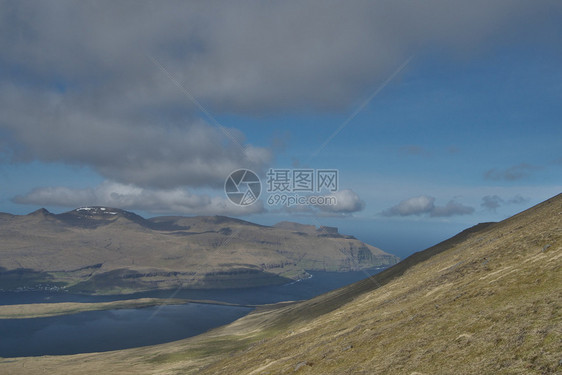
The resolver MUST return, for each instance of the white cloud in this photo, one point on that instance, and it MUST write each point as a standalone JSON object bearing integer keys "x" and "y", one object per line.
{"x": 347, "y": 201}
{"x": 111, "y": 194}
{"x": 178, "y": 200}
{"x": 412, "y": 206}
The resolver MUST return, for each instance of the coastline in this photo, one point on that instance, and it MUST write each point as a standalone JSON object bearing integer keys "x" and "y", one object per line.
{"x": 43, "y": 310}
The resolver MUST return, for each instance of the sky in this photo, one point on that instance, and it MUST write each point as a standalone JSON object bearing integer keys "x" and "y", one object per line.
{"x": 436, "y": 115}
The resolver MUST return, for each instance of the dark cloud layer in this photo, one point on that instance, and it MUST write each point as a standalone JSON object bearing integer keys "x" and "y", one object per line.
{"x": 513, "y": 173}
{"x": 110, "y": 85}
{"x": 133, "y": 149}
{"x": 247, "y": 56}
{"x": 425, "y": 205}
{"x": 493, "y": 202}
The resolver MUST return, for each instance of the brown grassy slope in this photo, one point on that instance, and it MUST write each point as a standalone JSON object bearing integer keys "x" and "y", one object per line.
{"x": 487, "y": 301}
{"x": 491, "y": 303}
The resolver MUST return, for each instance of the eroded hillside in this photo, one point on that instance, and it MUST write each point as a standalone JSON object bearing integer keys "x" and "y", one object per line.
{"x": 107, "y": 250}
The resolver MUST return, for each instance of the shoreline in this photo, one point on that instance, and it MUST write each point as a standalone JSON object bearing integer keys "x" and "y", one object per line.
{"x": 44, "y": 310}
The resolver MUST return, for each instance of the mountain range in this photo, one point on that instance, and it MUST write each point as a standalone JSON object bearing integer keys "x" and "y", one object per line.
{"x": 108, "y": 250}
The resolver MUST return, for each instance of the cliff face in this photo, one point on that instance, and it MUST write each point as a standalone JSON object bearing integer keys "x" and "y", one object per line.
{"x": 101, "y": 249}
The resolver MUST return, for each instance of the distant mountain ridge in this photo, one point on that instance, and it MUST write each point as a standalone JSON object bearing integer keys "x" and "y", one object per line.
{"x": 99, "y": 249}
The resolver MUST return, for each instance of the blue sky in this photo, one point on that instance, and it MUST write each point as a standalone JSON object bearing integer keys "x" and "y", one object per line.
{"x": 149, "y": 107}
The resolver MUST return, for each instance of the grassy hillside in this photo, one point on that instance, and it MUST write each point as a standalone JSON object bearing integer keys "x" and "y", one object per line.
{"x": 106, "y": 250}
{"x": 487, "y": 301}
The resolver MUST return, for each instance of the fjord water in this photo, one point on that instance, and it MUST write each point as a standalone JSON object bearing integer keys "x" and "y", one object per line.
{"x": 94, "y": 331}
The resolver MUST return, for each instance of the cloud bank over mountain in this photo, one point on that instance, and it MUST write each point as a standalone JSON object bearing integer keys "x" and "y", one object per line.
{"x": 133, "y": 89}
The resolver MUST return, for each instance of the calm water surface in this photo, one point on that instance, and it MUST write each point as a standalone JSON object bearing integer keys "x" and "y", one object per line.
{"x": 94, "y": 331}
